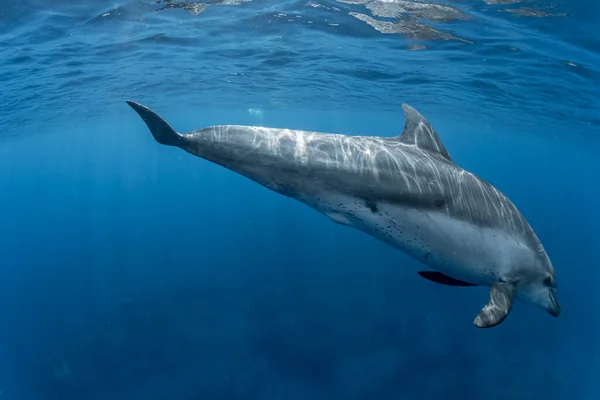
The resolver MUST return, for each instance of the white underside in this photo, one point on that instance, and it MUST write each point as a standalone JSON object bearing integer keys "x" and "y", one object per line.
{"x": 454, "y": 247}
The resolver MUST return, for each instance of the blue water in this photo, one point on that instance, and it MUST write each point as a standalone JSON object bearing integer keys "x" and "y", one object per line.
{"x": 130, "y": 270}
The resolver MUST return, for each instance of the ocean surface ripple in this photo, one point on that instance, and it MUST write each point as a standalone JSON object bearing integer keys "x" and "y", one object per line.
{"x": 529, "y": 61}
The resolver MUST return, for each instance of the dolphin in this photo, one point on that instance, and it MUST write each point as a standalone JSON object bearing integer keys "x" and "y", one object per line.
{"x": 405, "y": 191}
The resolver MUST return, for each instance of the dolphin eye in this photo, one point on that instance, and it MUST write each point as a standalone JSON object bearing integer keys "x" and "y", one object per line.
{"x": 548, "y": 281}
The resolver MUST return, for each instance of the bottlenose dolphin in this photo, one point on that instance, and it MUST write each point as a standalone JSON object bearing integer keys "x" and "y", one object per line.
{"x": 405, "y": 191}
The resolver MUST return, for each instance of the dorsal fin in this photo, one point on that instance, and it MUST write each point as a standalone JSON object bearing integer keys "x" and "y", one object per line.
{"x": 420, "y": 133}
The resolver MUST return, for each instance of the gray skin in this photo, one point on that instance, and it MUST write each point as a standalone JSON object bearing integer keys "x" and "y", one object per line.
{"x": 405, "y": 191}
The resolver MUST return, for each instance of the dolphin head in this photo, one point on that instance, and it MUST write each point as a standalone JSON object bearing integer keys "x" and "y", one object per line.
{"x": 538, "y": 284}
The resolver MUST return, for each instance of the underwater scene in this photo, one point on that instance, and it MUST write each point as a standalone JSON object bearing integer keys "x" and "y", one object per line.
{"x": 299, "y": 200}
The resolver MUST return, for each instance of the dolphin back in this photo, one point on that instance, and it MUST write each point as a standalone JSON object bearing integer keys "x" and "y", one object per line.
{"x": 160, "y": 129}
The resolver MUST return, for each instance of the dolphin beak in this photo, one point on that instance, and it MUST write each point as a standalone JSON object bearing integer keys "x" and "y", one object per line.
{"x": 554, "y": 307}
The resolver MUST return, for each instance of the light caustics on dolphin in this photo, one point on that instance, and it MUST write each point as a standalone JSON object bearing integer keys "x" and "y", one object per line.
{"x": 405, "y": 191}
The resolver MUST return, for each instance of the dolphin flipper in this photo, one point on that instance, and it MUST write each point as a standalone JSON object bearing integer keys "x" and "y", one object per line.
{"x": 443, "y": 279}
{"x": 160, "y": 129}
{"x": 498, "y": 307}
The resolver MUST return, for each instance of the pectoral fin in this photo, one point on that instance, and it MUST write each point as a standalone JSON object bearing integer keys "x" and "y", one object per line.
{"x": 440, "y": 278}
{"x": 498, "y": 307}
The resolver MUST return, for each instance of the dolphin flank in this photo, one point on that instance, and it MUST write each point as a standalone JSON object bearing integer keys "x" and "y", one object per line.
{"x": 405, "y": 191}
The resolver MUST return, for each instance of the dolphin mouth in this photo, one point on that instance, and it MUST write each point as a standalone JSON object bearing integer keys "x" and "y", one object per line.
{"x": 554, "y": 308}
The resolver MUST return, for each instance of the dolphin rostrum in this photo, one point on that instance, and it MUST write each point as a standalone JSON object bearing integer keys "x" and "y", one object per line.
{"x": 405, "y": 191}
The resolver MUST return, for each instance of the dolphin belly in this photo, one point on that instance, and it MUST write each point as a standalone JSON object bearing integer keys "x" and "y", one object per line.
{"x": 456, "y": 248}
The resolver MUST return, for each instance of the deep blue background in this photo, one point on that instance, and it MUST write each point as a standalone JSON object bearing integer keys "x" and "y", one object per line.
{"x": 130, "y": 270}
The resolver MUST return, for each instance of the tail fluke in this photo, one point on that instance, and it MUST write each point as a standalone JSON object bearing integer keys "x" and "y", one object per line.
{"x": 160, "y": 129}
